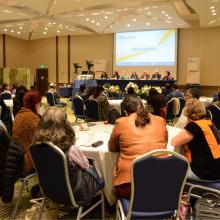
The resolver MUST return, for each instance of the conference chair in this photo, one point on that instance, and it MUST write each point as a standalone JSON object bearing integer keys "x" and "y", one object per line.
{"x": 215, "y": 115}
{"x": 92, "y": 110}
{"x": 24, "y": 186}
{"x": 79, "y": 108}
{"x": 51, "y": 99}
{"x": 182, "y": 102}
{"x": 156, "y": 189}
{"x": 52, "y": 170}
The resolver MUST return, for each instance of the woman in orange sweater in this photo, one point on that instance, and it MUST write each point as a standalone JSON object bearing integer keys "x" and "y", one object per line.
{"x": 134, "y": 135}
{"x": 25, "y": 125}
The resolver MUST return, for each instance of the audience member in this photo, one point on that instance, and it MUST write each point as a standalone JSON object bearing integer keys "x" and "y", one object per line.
{"x": 52, "y": 89}
{"x": 176, "y": 93}
{"x": 104, "y": 75}
{"x": 131, "y": 91}
{"x": 134, "y": 75}
{"x": 167, "y": 76}
{"x": 145, "y": 75}
{"x": 167, "y": 90}
{"x": 190, "y": 93}
{"x": 202, "y": 139}
{"x": 159, "y": 105}
{"x": 156, "y": 75}
{"x": 55, "y": 128}
{"x": 25, "y": 124}
{"x": 5, "y": 89}
{"x": 218, "y": 100}
{"x": 82, "y": 91}
{"x": 101, "y": 98}
{"x": 14, "y": 87}
{"x": 18, "y": 99}
{"x": 6, "y": 115}
{"x": 136, "y": 134}
{"x": 215, "y": 96}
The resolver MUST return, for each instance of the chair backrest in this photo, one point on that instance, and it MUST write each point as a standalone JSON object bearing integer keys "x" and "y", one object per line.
{"x": 52, "y": 170}
{"x": 92, "y": 110}
{"x": 50, "y": 98}
{"x": 6, "y": 96}
{"x": 215, "y": 112}
{"x": 170, "y": 106}
{"x": 78, "y": 107}
{"x": 157, "y": 183}
{"x": 182, "y": 105}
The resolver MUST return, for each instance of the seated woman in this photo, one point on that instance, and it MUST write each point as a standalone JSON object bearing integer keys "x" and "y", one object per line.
{"x": 104, "y": 75}
{"x": 55, "y": 128}
{"x": 25, "y": 125}
{"x": 134, "y": 135}
{"x": 201, "y": 143}
{"x": 101, "y": 98}
{"x": 167, "y": 76}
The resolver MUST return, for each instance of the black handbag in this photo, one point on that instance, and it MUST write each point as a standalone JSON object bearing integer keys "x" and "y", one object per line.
{"x": 85, "y": 183}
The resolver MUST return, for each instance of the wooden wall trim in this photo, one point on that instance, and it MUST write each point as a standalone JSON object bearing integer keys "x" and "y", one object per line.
{"x": 57, "y": 60}
{"x": 68, "y": 57}
{"x": 4, "y": 50}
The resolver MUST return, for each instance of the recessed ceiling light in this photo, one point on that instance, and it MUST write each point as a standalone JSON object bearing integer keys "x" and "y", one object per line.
{"x": 92, "y": 21}
{"x": 163, "y": 12}
{"x": 6, "y": 11}
{"x": 97, "y": 23}
{"x": 49, "y": 23}
{"x": 134, "y": 19}
{"x": 146, "y": 8}
{"x": 80, "y": 15}
{"x": 212, "y": 7}
{"x": 149, "y": 13}
{"x": 95, "y": 13}
{"x": 166, "y": 15}
{"x": 212, "y": 22}
{"x": 60, "y": 25}
{"x": 54, "y": 22}
{"x": 213, "y": 10}
{"x": 118, "y": 10}
{"x": 108, "y": 12}
{"x": 102, "y": 11}
{"x": 5, "y": 29}
{"x": 128, "y": 25}
{"x": 20, "y": 28}
{"x": 147, "y": 23}
{"x": 87, "y": 19}
{"x": 213, "y": 14}
{"x": 12, "y": 31}
{"x": 58, "y": 31}
{"x": 125, "y": 9}
{"x": 66, "y": 26}
{"x": 167, "y": 21}
{"x": 154, "y": 6}
{"x": 169, "y": 18}
{"x": 19, "y": 32}
{"x": 106, "y": 17}
{"x": 110, "y": 26}
{"x": 44, "y": 32}
{"x": 45, "y": 28}
{"x": 72, "y": 30}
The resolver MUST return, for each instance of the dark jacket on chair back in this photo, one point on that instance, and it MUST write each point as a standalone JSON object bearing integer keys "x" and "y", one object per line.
{"x": 11, "y": 165}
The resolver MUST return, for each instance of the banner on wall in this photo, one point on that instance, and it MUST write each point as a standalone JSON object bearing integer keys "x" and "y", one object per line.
{"x": 100, "y": 65}
{"x": 193, "y": 70}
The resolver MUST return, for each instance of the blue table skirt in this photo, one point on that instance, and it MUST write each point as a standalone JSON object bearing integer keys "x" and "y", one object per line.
{"x": 65, "y": 91}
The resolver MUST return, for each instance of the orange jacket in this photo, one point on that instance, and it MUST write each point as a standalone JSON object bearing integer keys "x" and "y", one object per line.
{"x": 131, "y": 142}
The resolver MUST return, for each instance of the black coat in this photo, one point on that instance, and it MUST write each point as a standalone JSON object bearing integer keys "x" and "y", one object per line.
{"x": 11, "y": 165}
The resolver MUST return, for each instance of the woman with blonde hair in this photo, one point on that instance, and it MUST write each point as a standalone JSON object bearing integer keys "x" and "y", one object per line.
{"x": 55, "y": 128}
{"x": 202, "y": 143}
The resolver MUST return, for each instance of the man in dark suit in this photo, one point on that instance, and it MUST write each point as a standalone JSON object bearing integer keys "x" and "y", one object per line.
{"x": 156, "y": 75}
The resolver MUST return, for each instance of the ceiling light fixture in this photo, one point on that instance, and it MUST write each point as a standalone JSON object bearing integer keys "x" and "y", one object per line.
{"x": 97, "y": 23}
{"x": 54, "y": 22}
{"x": 213, "y": 10}
{"x": 213, "y": 14}
{"x": 6, "y": 11}
{"x": 212, "y": 7}
{"x": 95, "y": 13}
{"x": 19, "y": 32}
{"x": 106, "y": 17}
{"x": 80, "y": 15}
{"x": 58, "y": 31}
{"x": 118, "y": 10}
{"x": 125, "y": 9}
{"x": 134, "y": 19}
{"x": 20, "y": 28}
{"x": 5, "y": 29}
{"x": 87, "y": 19}
{"x": 166, "y": 15}
{"x": 146, "y": 8}
{"x": 12, "y": 31}
{"x": 45, "y": 28}
{"x": 49, "y": 23}
{"x": 149, "y": 13}
{"x": 147, "y": 23}
{"x": 66, "y": 26}
{"x": 169, "y": 18}
{"x": 163, "y": 12}
{"x": 60, "y": 25}
{"x": 44, "y": 32}
{"x": 92, "y": 21}
{"x": 128, "y": 25}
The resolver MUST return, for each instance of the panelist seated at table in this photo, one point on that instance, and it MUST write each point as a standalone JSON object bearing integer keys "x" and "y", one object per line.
{"x": 201, "y": 143}
{"x": 168, "y": 76}
{"x": 135, "y": 76}
{"x": 116, "y": 75}
{"x": 134, "y": 135}
{"x": 145, "y": 75}
{"x": 104, "y": 75}
{"x": 156, "y": 75}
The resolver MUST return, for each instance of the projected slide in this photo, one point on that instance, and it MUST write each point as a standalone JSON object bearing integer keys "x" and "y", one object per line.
{"x": 146, "y": 48}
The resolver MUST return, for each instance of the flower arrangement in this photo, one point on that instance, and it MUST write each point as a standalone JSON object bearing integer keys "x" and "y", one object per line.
{"x": 159, "y": 89}
{"x": 113, "y": 90}
{"x": 144, "y": 90}
{"x": 134, "y": 85}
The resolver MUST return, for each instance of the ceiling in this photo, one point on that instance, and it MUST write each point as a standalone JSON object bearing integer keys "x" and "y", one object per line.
{"x": 36, "y": 19}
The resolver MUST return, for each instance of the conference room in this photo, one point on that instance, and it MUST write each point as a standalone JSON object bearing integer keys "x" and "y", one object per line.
{"x": 109, "y": 109}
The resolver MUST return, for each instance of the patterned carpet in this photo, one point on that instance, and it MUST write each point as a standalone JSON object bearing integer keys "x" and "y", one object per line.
{"x": 63, "y": 212}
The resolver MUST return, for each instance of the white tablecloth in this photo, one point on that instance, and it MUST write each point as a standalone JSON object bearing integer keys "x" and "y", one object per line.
{"x": 9, "y": 103}
{"x": 105, "y": 159}
{"x": 206, "y": 99}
